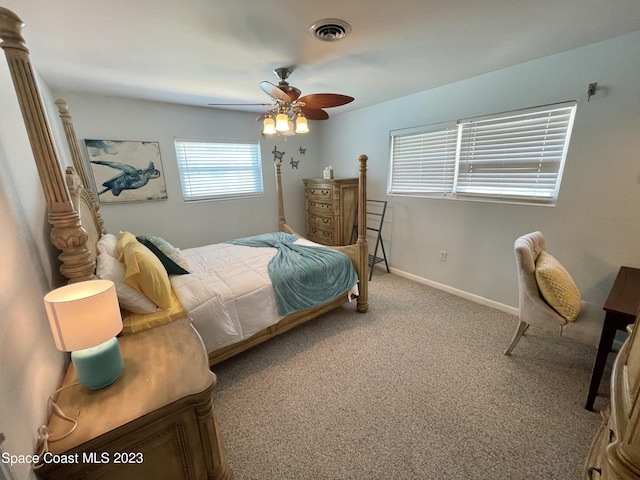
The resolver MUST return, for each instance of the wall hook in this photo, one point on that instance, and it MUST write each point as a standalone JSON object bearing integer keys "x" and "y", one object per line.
{"x": 591, "y": 90}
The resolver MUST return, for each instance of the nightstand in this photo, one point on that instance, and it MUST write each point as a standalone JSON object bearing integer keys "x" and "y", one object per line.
{"x": 156, "y": 421}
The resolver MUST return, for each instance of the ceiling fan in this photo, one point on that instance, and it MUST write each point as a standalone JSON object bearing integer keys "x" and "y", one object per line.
{"x": 290, "y": 107}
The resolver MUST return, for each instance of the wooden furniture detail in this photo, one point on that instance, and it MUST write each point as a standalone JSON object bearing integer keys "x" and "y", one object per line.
{"x": 155, "y": 421}
{"x": 331, "y": 208}
{"x": 622, "y": 306}
{"x": 615, "y": 450}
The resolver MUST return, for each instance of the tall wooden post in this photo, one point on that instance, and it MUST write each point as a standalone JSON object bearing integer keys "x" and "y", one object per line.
{"x": 72, "y": 142}
{"x": 67, "y": 233}
{"x": 281, "y": 219}
{"x": 362, "y": 246}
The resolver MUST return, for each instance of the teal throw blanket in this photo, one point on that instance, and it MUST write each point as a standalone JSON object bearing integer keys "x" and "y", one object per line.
{"x": 303, "y": 276}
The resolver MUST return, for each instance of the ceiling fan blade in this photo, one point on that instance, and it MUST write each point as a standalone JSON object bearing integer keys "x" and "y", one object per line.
{"x": 314, "y": 113}
{"x": 325, "y": 100}
{"x": 292, "y": 92}
{"x": 274, "y": 92}
{"x": 241, "y": 104}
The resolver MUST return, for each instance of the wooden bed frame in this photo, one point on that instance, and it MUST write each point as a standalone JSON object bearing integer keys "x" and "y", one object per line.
{"x": 73, "y": 209}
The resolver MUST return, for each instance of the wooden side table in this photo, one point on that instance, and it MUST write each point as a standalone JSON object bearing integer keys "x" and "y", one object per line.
{"x": 622, "y": 307}
{"x": 156, "y": 421}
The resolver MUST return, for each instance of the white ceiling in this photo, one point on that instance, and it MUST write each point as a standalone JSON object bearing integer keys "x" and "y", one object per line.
{"x": 211, "y": 51}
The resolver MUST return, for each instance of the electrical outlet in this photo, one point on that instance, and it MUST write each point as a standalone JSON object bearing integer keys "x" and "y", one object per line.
{"x": 443, "y": 255}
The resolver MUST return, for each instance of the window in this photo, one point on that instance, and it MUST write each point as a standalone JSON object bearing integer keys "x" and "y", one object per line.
{"x": 423, "y": 160}
{"x": 218, "y": 169}
{"x": 516, "y": 156}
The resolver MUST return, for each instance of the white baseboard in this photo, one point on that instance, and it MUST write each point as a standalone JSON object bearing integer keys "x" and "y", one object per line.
{"x": 454, "y": 291}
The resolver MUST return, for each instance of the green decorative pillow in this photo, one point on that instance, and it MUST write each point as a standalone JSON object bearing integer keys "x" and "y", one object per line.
{"x": 557, "y": 287}
{"x": 166, "y": 253}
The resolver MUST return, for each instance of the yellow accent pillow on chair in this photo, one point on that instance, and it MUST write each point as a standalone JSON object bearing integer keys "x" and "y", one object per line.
{"x": 557, "y": 287}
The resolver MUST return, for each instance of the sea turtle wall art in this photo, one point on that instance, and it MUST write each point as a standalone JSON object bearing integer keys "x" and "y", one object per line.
{"x": 126, "y": 171}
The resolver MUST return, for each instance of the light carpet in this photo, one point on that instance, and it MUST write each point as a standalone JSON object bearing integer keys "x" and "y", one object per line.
{"x": 417, "y": 388}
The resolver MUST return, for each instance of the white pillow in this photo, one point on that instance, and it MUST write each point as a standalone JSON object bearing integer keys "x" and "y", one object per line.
{"x": 108, "y": 244}
{"x": 109, "y": 268}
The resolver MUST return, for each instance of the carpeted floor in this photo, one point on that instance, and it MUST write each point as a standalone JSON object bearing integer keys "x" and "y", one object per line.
{"x": 417, "y": 388}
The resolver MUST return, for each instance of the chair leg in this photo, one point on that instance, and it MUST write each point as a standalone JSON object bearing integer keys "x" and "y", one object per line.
{"x": 522, "y": 327}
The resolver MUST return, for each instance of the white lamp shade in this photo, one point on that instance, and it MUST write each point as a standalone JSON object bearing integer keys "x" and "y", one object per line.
{"x": 301, "y": 124}
{"x": 282, "y": 122}
{"x": 83, "y": 314}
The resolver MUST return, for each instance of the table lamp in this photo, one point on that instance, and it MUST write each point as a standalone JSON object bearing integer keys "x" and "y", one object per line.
{"x": 84, "y": 319}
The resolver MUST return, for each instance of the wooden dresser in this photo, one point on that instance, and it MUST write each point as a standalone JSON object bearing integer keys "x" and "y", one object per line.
{"x": 615, "y": 451}
{"x": 156, "y": 421}
{"x": 331, "y": 207}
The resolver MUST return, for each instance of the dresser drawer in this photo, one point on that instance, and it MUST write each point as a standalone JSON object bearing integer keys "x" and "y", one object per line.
{"x": 321, "y": 193}
{"x": 318, "y": 235}
{"x": 319, "y": 207}
{"x": 320, "y": 221}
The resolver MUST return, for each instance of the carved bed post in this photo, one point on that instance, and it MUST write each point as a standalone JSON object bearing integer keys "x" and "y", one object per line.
{"x": 67, "y": 233}
{"x": 281, "y": 220}
{"x": 76, "y": 155}
{"x": 361, "y": 244}
{"x": 72, "y": 141}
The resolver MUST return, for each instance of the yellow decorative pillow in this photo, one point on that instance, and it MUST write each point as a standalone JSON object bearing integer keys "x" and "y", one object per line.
{"x": 557, "y": 287}
{"x": 125, "y": 238}
{"x": 145, "y": 273}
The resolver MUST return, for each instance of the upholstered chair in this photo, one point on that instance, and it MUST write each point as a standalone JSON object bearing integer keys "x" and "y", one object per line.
{"x": 534, "y": 306}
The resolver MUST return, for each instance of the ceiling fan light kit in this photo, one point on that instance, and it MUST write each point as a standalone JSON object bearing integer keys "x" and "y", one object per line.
{"x": 290, "y": 112}
{"x": 290, "y": 107}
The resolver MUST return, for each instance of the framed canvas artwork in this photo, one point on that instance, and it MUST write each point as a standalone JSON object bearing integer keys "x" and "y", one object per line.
{"x": 126, "y": 171}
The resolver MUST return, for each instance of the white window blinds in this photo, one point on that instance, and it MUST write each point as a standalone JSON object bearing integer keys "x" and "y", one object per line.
{"x": 518, "y": 155}
{"x": 423, "y": 160}
{"x": 218, "y": 169}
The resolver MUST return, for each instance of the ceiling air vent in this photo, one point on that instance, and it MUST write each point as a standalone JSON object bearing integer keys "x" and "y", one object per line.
{"x": 330, "y": 29}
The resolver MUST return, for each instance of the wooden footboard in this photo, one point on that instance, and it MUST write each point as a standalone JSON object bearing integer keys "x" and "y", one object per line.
{"x": 287, "y": 323}
{"x": 358, "y": 253}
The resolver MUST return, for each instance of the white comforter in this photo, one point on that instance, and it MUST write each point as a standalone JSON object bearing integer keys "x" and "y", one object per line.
{"x": 228, "y": 293}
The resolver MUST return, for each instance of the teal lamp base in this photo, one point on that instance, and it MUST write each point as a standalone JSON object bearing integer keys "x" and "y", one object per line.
{"x": 98, "y": 367}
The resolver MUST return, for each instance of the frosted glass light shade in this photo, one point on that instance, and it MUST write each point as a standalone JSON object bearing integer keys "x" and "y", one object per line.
{"x": 268, "y": 126}
{"x": 290, "y": 131}
{"x": 301, "y": 124}
{"x": 83, "y": 314}
{"x": 282, "y": 122}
